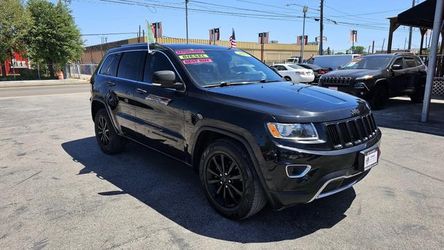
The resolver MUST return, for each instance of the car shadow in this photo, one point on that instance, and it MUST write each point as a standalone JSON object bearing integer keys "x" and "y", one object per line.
{"x": 173, "y": 189}
{"x": 402, "y": 114}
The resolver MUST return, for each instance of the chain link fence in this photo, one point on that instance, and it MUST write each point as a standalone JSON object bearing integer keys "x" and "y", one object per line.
{"x": 80, "y": 71}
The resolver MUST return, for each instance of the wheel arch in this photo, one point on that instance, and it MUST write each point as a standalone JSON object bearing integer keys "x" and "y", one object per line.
{"x": 96, "y": 105}
{"x": 205, "y": 135}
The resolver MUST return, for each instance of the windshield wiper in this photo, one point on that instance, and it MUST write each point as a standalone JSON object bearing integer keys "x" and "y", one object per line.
{"x": 224, "y": 84}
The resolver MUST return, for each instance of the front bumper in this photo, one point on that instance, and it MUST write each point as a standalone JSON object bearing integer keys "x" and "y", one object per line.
{"x": 329, "y": 172}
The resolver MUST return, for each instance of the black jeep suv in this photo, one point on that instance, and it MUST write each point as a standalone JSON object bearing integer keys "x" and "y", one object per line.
{"x": 379, "y": 77}
{"x": 253, "y": 137}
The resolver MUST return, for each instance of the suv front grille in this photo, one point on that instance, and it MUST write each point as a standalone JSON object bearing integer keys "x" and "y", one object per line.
{"x": 336, "y": 80}
{"x": 352, "y": 131}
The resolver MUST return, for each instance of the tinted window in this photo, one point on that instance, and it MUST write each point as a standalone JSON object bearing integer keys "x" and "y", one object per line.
{"x": 418, "y": 61}
{"x": 131, "y": 65}
{"x": 399, "y": 62}
{"x": 410, "y": 62}
{"x": 109, "y": 66}
{"x": 156, "y": 62}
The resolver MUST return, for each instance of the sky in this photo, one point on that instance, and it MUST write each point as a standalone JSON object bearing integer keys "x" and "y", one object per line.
{"x": 282, "y": 18}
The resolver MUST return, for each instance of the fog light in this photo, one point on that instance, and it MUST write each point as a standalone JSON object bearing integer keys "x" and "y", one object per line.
{"x": 297, "y": 170}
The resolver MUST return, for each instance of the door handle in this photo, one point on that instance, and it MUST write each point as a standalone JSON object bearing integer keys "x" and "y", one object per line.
{"x": 111, "y": 84}
{"x": 141, "y": 91}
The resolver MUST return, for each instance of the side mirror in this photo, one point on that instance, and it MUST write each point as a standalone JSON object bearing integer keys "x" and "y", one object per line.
{"x": 396, "y": 66}
{"x": 167, "y": 79}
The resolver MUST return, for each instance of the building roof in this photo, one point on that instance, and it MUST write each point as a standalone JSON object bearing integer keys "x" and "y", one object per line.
{"x": 163, "y": 46}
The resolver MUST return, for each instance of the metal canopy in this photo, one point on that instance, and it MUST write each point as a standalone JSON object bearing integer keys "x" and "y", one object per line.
{"x": 420, "y": 16}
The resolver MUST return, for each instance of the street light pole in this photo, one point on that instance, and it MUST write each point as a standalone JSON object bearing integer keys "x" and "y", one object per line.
{"x": 186, "y": 18}
{"x": 303, "y": 35}
{"x": 321, "y": 27}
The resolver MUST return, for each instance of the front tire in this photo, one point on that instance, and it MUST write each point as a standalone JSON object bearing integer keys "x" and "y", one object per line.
{"x": 230, "y": 184}
{"x": 287, "y": 78}
{"x": 107, "y": 138}
{"x": 380, "y": 97}
{"x": 417, "y": 96}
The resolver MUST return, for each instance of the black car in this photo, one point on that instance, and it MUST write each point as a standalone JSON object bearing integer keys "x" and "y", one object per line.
{"x": 379, "y": 77}
{"x": 318, "y": 70}
{"x": 253, "y": 137}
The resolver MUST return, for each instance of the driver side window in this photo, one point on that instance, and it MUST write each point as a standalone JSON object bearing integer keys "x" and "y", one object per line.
{"x": 156, "y": 62}
{"x": 399, "y": 62}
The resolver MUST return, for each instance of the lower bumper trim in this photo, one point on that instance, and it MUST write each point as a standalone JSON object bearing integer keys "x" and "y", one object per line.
{"x": 319, "y": 193}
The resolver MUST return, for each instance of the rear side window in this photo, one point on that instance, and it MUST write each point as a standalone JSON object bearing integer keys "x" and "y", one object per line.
{"x": 131, "y": 65}
{"x": 410, "y": 62}
{"x": 110, "y": 64}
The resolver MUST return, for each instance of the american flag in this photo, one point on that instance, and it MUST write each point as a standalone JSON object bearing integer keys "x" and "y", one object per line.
{"x": 233, "y": 40}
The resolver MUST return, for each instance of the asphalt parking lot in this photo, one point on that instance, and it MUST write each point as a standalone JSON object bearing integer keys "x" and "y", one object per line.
{"x": 58, "y": 191}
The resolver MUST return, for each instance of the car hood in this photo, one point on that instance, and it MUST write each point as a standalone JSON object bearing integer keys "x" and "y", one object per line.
{"x": 290, "y": 102}
{"x": 354, "y": 73}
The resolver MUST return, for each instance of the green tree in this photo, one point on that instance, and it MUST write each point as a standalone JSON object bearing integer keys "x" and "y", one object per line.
{"x": 357, "y": 49}
{"x": 54, "y": 39}
{"x": 15, "y": 22}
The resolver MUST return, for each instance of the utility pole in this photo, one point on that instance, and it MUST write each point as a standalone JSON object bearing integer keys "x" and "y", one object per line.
{"x": 305, "y": 9}
{"x": 410, "y": 31}
{"x": 321, "y": 28}
{"x": 186, "y": 18}
{"x": 373, "y": 47}
{"x": 382, "y": 48}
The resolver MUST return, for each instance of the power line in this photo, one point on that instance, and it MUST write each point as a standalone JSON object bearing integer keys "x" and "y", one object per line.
{"x": 276, "y": 16}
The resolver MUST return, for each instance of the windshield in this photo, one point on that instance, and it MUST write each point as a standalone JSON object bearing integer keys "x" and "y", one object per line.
{"x": 215, "y": 66}
{"x": 295, "y": 66}
{"x": 369, "y": 62}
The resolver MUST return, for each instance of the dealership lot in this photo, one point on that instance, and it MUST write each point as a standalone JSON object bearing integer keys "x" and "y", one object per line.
{"x": 57, "y": 190}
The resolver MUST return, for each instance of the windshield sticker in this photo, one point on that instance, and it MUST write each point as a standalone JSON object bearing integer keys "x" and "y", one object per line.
{"x": 196, "y": 61}
{"x": 241, "y": 53}
{"x": 193, "y": 56}
{"x": 189, "y": 51}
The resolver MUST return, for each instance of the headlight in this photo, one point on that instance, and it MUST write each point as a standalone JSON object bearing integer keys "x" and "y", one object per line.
{"x": 363, "y": 78}
{"x": 301, "y": 132}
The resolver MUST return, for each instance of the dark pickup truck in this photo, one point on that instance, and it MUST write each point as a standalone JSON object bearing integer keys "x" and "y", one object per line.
{"x": 252, "y": 137}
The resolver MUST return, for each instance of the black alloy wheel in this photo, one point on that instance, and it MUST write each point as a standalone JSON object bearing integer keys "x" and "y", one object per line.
{"x": 224, "y": 180}
{"x": 103, "y": 130}
{"x": 229, "y": 180}
{"x": 107, "y": 138}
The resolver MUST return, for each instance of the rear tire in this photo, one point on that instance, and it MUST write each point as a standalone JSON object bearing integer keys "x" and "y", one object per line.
{"x": 287, "y": 78}
{"x": 380, "y": 97}
{"x": 107, "y": 138}
{"x": 230, "y": 183}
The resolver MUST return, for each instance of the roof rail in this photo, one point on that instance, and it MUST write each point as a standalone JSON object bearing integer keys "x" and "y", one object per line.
{"x": 404, "y": 54}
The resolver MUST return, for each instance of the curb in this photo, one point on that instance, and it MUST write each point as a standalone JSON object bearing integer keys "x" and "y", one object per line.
{"x": 36, "y": 83}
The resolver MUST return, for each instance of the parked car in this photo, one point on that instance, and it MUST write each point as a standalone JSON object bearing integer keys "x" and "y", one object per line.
{"x": 294, "y": 72}
{"x": 293, "y": 59}
{"x": 379, "y": 77}
{"x": 333, "y": 62}
{"x": 317, "y": 70}
{"x": 252, "y": 137}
